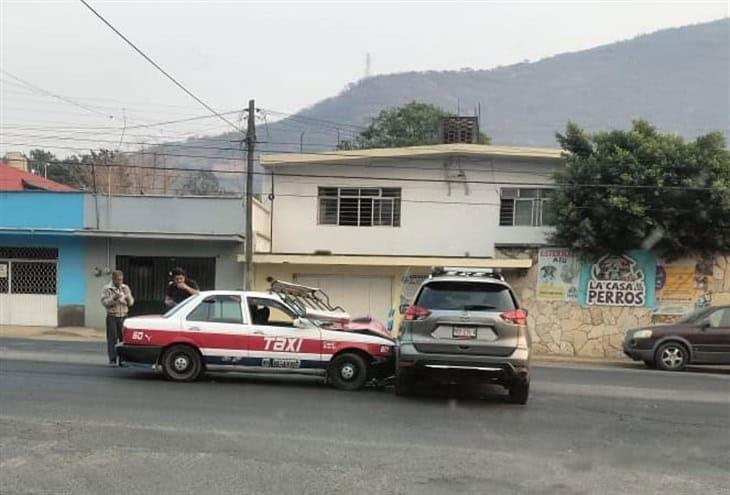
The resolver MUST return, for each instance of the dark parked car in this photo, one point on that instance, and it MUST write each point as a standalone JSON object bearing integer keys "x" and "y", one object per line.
{"x": 700, "y": 337}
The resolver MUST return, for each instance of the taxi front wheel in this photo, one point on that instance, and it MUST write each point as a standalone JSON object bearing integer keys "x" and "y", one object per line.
{"x": 181, "y": 363}
{"x": 348, "y": 371}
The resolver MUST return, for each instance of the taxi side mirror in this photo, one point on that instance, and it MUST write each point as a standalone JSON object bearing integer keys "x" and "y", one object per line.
{"x": 298, "y": 323}
{"x": 402, "y": 308}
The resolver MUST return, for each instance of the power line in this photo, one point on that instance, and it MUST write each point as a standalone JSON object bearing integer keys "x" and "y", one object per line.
{"x": 163, "y": 71}
{"x": 54, "y": 95}
{"x": 380, "y": 178}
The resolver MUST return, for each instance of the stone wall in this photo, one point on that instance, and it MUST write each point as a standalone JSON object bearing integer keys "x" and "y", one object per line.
{"x": 566, "y": 328}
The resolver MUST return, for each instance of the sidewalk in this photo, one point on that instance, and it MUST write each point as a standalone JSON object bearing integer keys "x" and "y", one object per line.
{"x": 80, "y": 334}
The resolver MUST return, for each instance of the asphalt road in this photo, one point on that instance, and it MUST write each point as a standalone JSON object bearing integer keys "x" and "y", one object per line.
{"x": 70, "y": 425}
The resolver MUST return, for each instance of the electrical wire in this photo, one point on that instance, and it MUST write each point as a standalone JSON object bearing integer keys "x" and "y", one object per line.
{"x": 163, "y": 71}
{"x": 380, "y": 178}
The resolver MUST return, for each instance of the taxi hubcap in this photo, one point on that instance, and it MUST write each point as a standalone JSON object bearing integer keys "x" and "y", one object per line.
{"x": 347, "y": 371}
{"x": 181, "y": 363}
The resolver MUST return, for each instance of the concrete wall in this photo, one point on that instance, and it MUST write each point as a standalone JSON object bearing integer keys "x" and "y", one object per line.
{"x": 199, "y": 215}
{"x": 429, "y": 224}
{"x": 42, "y": 210}
{"x": 566, "y": 328}
{"x": 228, "y": 272}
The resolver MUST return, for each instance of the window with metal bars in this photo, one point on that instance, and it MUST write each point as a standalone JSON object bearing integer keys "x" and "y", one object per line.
{"x": 359, "y": 207}
{"x": 524, "y": 207}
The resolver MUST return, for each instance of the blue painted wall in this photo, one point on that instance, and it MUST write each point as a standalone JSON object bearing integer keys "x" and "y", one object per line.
{"x": 38, "y": 209}
{"x": 71, "y": 261}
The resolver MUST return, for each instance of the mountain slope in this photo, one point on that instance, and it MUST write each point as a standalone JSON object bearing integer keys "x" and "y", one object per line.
{"x": 678, "y": 79}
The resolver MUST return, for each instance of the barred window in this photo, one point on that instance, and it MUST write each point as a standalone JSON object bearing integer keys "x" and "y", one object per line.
{"x": 524, "y": 207}
{"x": 33, "y": 277}
{"x": 359, "y": 207}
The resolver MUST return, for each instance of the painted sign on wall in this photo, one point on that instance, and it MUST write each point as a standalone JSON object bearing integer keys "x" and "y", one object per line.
{"x": 558, "y": 275}
{"x": 619, "y": 280}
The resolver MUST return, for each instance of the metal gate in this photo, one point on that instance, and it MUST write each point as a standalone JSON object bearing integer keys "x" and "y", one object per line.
{"x": 28, "y": 286}
{"x": 149, "y": 276}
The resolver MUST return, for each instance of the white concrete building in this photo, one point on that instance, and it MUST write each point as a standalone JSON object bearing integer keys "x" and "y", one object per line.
{"x": 365, "y": 225}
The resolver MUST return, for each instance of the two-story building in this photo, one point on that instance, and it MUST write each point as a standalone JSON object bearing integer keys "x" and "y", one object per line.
{"x": 367, "y": 225}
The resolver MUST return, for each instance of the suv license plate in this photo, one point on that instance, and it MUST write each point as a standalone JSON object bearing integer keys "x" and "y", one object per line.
{"x": 464, "y": 332}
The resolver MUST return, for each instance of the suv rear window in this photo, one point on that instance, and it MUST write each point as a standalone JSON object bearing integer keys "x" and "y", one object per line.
{"x": 472, "y": 296}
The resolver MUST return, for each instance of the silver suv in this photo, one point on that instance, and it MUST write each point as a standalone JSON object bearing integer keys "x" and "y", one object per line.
{"x": 465, "y": 325}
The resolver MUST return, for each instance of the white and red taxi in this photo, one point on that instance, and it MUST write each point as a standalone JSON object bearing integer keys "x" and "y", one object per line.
{"x": 291, "y": 330}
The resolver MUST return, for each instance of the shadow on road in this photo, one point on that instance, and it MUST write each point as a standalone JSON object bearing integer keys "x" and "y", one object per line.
{"x": 424, "y": 392}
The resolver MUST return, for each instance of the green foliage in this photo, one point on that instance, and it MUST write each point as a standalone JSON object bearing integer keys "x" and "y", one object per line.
{"x": 67, "y": 171}
{"x": 639, "y": 188}
{"x": 412, "y": 124}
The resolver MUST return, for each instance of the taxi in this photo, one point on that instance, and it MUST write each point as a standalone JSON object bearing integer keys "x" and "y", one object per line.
{"x": 292, "y": 329}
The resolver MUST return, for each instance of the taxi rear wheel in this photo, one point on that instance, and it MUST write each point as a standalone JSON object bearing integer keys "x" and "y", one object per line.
{"x": 181, "y": 363}
{"x": 348, "y": 371}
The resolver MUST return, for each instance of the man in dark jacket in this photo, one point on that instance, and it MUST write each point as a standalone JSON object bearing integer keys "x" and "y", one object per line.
{"x": 180, "y": 288}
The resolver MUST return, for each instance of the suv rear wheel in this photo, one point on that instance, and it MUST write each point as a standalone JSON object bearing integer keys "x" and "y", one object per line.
{"x": 403, "y": 385}
{"x": 519, "y": 392}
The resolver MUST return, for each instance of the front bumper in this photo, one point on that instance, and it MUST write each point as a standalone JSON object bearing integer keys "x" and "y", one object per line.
{"x": 638, "y": 353}
{"x": 456, "y": 368}
{"x": 139, "y": 354}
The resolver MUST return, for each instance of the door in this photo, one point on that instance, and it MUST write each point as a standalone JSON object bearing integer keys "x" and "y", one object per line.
{"x": 359, "y": 296}
{"x": 148, "y": 277}
{"x": 218, "y": 328}
{"x": 712, "y": 340}
{"x": 279, "y": 345}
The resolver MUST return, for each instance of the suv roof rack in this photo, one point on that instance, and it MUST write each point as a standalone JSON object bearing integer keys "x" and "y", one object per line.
{"x": 309, "y": 302}
{"x": 443, "y": 271}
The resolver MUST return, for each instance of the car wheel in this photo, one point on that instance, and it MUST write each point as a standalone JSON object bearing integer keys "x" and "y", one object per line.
{"x": 181, "y": 363}
{"x": 403, "y": 385}
{"x": 519, "y": 392}
{"x": 672, "y": 356}
{"x": 348, "y": 371}
{"x": 649, "y": 363}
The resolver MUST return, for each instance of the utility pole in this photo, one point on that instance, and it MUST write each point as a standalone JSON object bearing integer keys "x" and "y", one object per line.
{"x": 248, "y": 194}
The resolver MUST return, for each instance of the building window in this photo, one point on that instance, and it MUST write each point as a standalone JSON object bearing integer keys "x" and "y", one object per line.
{"x": 524, "y": 207}
{"x": 359, "y": 207}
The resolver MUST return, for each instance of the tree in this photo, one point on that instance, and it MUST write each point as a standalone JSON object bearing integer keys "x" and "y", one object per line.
{"x": 202, "y": 183}
{"x": 66, "y": 171}
{"x": 639, "y": 188}
{"x": 412, "y": 124}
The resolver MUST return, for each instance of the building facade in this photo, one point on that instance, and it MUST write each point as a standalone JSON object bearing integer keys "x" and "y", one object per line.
{"x": 58, "y": 249}
{"x": 41, "y": 258}
{"x": 367, "y": 225}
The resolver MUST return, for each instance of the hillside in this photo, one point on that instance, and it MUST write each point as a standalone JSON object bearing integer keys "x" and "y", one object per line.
{"x": 678, "y": 79}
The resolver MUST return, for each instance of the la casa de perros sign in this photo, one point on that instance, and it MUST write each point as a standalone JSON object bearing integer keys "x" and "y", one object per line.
{"x": 616, "y": 281}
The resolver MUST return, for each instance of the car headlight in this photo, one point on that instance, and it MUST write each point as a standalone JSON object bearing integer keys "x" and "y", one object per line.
{"x": 642, "y": 334}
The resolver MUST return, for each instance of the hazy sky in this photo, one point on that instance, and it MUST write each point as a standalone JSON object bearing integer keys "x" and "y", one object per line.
{"x": 286, "y": 55}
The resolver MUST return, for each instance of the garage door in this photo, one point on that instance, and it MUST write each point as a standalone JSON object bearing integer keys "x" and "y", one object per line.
{"x": 360, "y": 296}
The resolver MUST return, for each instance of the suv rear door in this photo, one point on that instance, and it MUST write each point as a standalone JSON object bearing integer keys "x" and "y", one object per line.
{"x": 465, "y": 318}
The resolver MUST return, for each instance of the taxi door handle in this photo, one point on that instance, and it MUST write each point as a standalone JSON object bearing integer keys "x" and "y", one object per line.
{"x": 258, "y": 333}
{"x": 197, "y": 329}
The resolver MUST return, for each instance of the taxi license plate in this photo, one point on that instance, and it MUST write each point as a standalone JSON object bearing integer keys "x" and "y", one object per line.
{"x": 464, "y": 332}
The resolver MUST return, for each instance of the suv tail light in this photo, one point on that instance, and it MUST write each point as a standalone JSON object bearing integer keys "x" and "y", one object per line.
{"x": 516, "y": 316}
{"x": 416, "y": 313}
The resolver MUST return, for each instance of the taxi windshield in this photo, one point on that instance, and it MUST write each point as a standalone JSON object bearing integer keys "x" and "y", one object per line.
{"x": 175, "y": 309}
